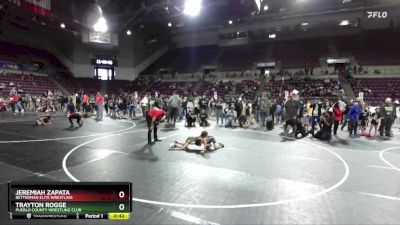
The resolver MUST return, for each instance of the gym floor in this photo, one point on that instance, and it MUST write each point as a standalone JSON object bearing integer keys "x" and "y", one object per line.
{"x": 259, "y": 177}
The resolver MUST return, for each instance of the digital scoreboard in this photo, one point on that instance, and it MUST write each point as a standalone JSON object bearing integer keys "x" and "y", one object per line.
{"x": 84, "y": 200}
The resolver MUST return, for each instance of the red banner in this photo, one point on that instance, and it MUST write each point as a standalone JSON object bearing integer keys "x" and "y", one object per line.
{"x": 42, "y": 7}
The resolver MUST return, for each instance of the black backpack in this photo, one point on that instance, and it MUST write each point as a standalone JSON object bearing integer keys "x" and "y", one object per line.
{"x": 270, "y": 124}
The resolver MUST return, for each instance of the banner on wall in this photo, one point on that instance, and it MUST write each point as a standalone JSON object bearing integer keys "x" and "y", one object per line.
{"x": 30, "y": 68}
{"x": 9, "y": 65}
{"x": 340, "y": 60}
{"x": 42, "y": 7}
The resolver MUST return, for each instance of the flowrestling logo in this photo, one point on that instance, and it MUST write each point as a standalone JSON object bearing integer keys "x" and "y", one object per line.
{"x": 377, "y": 14}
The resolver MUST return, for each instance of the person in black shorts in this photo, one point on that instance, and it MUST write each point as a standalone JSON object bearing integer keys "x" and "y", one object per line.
{"x": 374, "y": 122}
{"x": 326, "y": 122}
{"x": 300, "y": 130}
{"x": 203, "y": 118}
{"x": 363, "y": 123}
{"x": 72, "y": 114}
{"x": 153, "y": 119}
{"x": 190, "y": 119}
{"x": 292, "y": 108}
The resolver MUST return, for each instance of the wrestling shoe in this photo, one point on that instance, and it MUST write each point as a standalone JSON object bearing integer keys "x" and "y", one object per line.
{"x": 81, "y": 123}
{"x": 158, "y": 140}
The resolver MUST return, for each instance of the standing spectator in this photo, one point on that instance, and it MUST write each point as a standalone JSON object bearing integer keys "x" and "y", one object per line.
{"x": 174, "y": 102}
{"x": 85, "y": 103}
{"x": 239, "y": 107}
{"x": 338, "y": 114}
{"x": 78, "y": 102}
{"x": 132, "y": 107}
{"x": 272, "y": 111}
{"x": 256, "y": 109}
{"x": 183, "y": 109}
{"x": 388, "y": 112}
{"x": 354, "y": 115}
{"x": 315, "y": 114}
{"x": 292, "y": 108}
{"x": 345, "y": 119}
{"x": 144, "y": 103}
{"x": 106, "y": 103}
{"x": 13, "y": 102}
{"x": 219, "y": 111}
{"x": 99, "y": 106}
{"x": 278, "y": 113}
{"x": 265, "y": 107}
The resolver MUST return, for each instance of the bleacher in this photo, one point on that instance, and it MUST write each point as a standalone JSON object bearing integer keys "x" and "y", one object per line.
{"x": 89, "y": 85}
{"x": 114, "y": 87}
{"x": 184, "y": 60}
{"x": 167, "y": 88}
{"x": 229, "y": 88}
{"x": 31, "y": 84}
{"x": 300, "y": 53}
{"x": 373, "y": 48}
{"x": 242, "y": 57}
{"x": 309, "y": 89}
{"x": 68, "y": 82}
{"x": 26, "y": 54}
{"x": 376, "y": 90}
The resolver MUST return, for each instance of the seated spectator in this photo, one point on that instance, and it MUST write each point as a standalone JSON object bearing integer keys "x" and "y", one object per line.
{"x": 230, "y": 117}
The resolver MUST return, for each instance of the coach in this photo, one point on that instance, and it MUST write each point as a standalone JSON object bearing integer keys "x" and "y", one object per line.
{"x": 153, "y": 118}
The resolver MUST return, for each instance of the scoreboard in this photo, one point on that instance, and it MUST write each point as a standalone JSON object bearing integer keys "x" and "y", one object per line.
{"x": 84, "y": 200}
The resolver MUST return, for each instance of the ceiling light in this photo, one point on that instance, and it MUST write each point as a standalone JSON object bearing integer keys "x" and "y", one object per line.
{"x": 101, "y": 25}
{"x": 230, "y": 21}
{"x": 304, "y": 24}
{"x": 272, "y": 36}
{"x": 62, "y": 25}
{"x": 258, "y": 3}
{"x": 238, "y": 33}
{"x": 266, "y": 7}
{"x": 192, "y": 7}
{"x": 344, "y": 23}
{"x": 128, "y": 32}
{"x": 170, "y": 24}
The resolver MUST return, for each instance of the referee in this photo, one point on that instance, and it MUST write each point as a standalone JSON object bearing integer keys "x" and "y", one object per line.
{"x": 153, "y": 118}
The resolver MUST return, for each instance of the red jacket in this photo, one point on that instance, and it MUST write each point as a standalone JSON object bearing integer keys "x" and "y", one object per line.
{"x": 14, "y": 99}
{"x": 338, "y": 114}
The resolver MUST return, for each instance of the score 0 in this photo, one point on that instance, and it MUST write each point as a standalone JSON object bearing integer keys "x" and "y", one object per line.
{"x": 121, "y": 195}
